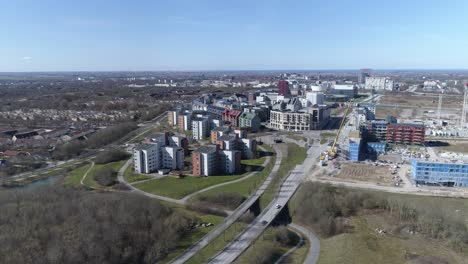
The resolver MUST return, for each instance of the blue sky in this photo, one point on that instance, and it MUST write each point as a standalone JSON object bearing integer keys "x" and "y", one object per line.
{"x": 69, "y": 35}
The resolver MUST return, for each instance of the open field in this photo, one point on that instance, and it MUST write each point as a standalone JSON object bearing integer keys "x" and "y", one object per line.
{"x": 406, "y": 99}
{"x": 365, "y": 172}
{"x": 363, "y": 245}
{"x": 454, "y": 146}
{"x": 74, "y": 176}
{"x": 178, "y": 188}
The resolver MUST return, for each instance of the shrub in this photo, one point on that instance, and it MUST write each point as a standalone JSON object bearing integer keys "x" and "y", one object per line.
{"x": 112, "y": 155}
{"x": 286, "y": 237}
{"x": 105, "y": 176}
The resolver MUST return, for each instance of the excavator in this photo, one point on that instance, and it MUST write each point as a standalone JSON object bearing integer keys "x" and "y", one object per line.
{"x": 332, "y": 151}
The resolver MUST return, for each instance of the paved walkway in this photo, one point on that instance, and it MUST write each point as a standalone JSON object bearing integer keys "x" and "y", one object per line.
{"x": 314, "y": 243}
{"x": 86, "y": 173}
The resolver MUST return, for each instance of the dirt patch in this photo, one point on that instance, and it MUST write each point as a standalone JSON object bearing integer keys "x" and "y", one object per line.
{"x": 367, "y": 173}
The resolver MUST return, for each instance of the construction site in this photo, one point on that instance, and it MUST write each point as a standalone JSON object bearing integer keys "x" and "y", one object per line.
{"x": 402, "y": 139}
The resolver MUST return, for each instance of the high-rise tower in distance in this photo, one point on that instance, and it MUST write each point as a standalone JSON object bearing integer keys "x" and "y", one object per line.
{"x": 283, "y": 87}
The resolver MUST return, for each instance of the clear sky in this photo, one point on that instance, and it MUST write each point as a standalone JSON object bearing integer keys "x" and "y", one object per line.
{"x": 69, "y": 35}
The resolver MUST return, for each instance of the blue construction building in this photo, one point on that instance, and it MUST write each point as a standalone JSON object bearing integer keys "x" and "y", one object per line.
{"x": 376, "y": 148}
{"x": 354, "y": 149}
{"x": 439, "y": 173}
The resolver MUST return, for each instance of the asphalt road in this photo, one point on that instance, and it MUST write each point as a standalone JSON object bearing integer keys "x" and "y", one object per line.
{"x": 236, "y": 247}
{"x": 229, "y": 220}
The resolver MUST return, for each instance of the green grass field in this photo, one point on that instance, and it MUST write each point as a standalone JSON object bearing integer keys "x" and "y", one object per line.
{"x": 130, "y": 175}
{"x": 74, "y": 177}
{"x": 293, "y": 156}
{"x": 247, "y": 186}
{"x": 180, "y": 187}
{"x": 89, "y": 180}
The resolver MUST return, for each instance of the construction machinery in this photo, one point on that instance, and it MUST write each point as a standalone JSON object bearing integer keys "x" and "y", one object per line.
{"x": 332, "y": 151}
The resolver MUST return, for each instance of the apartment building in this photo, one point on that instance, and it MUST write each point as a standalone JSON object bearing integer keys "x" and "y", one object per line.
{"x": 204, "y": 160}
{"x": 311, "y": 119}
{"x": 401, "y": 133}
{"x": 249, "y": 120}
{"x": 178, "y": 141}
{"x": 228, "y": 141}
{"x": 248, "y": 148}
{"x": 379, "y": 83}
{"x": 147, "y": 157}
{"x": 172, "y": 158}
{"x": 200, "y": 128}
{"x": 231, "y": 116}
{"x": 217, "y": 132}
{"x": 172, "y": 118}
{"x": 184, "y": 121}
{"x": 229, "y": 161}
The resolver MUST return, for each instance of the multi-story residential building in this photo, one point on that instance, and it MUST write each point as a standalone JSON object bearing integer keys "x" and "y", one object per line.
{"x": 172, "y": 118}
{"x": 201, "y": 127}
{"x": 249, "y": 120}
{"x": 311, "y": 118}
{"x": 228, "y": 141}
{"x": 229, "y": 161}
{"x": 248, "y": 148}
{"x": 283, "y": 87}
{"x": 184, "y": 121}
{"x": 400, "y": 133}
{"x": 439, "y": 173}
{"x": 172, "y": 158}
{"x": 231, "y": 116}
{"x": 375, "y": 130}
{"x": 146, "y": 157}
{"x": 217, "y": 132}
{"x": 354, "y": 149}
{"x": 204, "y": 160}
{"x": 177, "y": 141}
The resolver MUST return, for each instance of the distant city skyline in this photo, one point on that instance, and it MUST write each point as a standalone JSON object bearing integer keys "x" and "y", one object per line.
{"x": 184, "y": 35}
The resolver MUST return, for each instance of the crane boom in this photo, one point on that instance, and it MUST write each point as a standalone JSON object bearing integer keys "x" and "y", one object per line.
{"x": 332, "y": 152}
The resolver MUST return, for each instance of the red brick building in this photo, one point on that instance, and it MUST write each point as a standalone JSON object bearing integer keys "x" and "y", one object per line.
{"x": 412, "y": 134}
{"x": 283, "y": 87}
{"x": 231, "y": 116}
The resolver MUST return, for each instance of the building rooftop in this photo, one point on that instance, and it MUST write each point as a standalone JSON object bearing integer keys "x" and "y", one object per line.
{"x": 221, "y": 128}
{"x": 227, "y": 137}
{"x": 407, "y": 125}
{"x": 206, "y": 149}
{"x": 145, "y": 146}
{"x": 247, "y": 115}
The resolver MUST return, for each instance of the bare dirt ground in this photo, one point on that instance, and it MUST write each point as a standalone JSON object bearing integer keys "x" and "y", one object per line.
{"x": 365, "y": 172}
{"x": 421, "y": 100}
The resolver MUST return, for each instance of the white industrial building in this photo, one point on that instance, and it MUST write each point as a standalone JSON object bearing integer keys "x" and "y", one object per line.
{"x": 379, "y": 83}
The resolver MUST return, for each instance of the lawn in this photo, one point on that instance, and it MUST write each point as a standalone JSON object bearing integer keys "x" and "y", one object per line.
{"x": 292, "y": 156}
{"x": 217, "y": 244}
{"x": 89, "y": 180}
{"x": 180, "y": 187}
{"x": 74, "y": 177}
{"x": 130, "y": 175}
{"x": 247, "y": 186}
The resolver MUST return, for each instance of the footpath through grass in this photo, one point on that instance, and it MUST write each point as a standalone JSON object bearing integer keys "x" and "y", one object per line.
{"x": 178, "y": 188}
{"x": 130, "y": 175}
{"x": 89, "y": 180}
{"x": 248, "y": 186}
{"x": 74, "y": 176}
{"x": 292, "y": 156}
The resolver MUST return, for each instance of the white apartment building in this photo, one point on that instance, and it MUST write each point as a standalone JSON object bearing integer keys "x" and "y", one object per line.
{"x": 311, "y": 119}
{"x": 201, "y": 128}
{"x": 228, "y": 160}
{"x": 248, "y": 147}
{"x": 146, "y": 157}
{"x": 172, "y": 158}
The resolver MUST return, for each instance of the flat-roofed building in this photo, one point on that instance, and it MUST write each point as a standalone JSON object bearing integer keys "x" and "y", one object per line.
{"x": 204, "y": 160}
{"x": 172, "y": 158}
{"x": 146, "y": 157}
